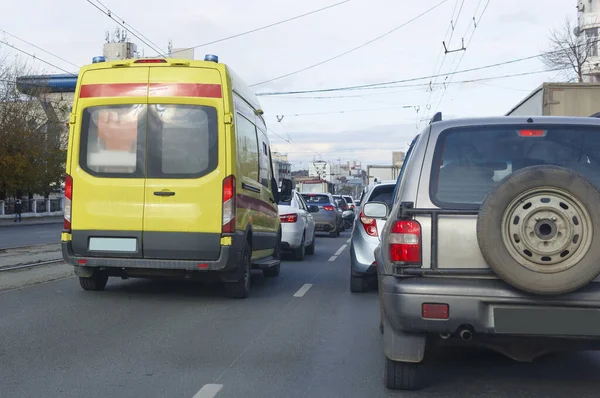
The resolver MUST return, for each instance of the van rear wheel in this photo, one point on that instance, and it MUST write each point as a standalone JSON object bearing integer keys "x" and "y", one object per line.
{"x": 96, "y": 282}
{"x": 241, "y": 288}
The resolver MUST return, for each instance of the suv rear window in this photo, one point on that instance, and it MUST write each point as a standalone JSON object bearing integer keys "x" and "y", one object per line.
{"x": 178, "y": 141}
{"x": 382, "y": 193}
{"x": 471, "y": 161}
{"x": 316, "y": 199}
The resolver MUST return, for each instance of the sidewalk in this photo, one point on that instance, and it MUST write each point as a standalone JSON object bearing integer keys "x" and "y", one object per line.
{"x": 31, "y": 219}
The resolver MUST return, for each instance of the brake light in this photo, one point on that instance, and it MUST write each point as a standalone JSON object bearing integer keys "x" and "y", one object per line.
{"x": 150, "y": 61}
{"x": 288, "y": 218}
{"x": 228, "y": 205}
{"x": 405, "y": 242}
{"x": 532, "y": 133}
{"x": 369, "y": 224}
{"x": 328, "y": 208}
{"x": 68, "y": 203}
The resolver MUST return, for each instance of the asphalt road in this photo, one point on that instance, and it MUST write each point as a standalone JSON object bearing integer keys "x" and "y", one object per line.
{"x": 144, "y": 338}
{"x": 33, "y": 234}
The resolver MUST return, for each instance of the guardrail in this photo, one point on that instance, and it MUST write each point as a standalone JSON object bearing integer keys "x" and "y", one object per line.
{"x": 33, "y": 206}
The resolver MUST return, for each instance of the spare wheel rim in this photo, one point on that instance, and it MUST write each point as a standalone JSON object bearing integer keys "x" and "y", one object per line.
{"x": 547, "y": 230}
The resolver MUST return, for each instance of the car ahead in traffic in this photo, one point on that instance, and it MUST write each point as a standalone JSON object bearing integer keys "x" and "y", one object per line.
{"x": 169, "y": 173}
{"x": 350, "y": 201}
{"x": 297, "y": 226}
{"x": 328, "y": 218}
{"x": 492, "y": 241}
{"x": 344, "y": 210}
{"x": 365, "y": 238}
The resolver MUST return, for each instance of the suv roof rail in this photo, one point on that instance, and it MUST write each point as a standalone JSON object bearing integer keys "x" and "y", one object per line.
{"x": 597, "y": 114}
{"x": 436, "y": 118}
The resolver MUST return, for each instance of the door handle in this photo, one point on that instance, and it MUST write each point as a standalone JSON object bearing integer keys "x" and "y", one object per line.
{"x": 164, "y": 193}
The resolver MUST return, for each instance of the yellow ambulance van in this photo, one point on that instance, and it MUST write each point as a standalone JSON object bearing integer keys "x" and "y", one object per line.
{"x": 169, "y": 174}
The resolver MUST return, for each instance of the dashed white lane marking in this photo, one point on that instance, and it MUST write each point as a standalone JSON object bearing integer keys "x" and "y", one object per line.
{"x": 340, "y": 250}
{"x": 208, "y": 391}
{"x": 332, "y": 258}
{"x": 302, "y": 291}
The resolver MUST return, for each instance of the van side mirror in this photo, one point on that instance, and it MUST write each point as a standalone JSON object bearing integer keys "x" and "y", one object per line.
{"x": 375, "y": 210}
{"x": 286, "y": 189}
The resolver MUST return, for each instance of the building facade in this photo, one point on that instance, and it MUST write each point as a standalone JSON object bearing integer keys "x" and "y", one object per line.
{"x": 588, "y": 24}
{"x": 281, "y": 166}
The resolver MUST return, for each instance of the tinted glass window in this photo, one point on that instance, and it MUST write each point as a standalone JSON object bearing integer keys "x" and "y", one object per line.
{"x": 472, "y": 161}
{"x": 182, "y": 141}
{"x": 382, "y": 193}
{"x": 348, "y": 200}
{"x": 247, "y": 148}
{"x": 316, "y": 199}
{"x": 264, "y": 165}
{"x": 112, "y": 140}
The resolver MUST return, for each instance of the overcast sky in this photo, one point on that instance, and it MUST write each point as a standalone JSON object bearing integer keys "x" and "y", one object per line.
{"x": 364, "y": 125}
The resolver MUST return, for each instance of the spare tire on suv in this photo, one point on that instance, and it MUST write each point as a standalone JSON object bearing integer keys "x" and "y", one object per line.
{"x": 536, "y": 230}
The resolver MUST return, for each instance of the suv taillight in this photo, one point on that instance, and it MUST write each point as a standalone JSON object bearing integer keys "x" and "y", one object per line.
{"x": 328, "y": 208}
{"x": 68, "y": 203}
{"x": 285, "y": 218}
{"x": 228, "y": 205}
{"x": 369, "y": 224}
{"x": 405, "y": 242}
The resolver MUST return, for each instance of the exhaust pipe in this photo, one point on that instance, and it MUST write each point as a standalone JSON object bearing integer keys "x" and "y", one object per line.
{"x": 466, "y": 334}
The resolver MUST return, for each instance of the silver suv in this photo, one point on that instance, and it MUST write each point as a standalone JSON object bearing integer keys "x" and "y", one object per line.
{"x": 491, "y": 241}
{"x": 365, "y": 238}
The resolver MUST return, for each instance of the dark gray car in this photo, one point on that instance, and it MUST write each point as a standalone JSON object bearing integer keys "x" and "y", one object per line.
{"x": 491, "y": 240}
{"x": 328, "y": 218}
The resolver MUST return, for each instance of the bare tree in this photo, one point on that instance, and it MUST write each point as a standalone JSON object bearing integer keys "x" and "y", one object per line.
{"x": 569, "y": 50}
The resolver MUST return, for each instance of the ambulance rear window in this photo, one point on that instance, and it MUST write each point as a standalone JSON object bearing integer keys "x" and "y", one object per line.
{"x": 153, "y": 141}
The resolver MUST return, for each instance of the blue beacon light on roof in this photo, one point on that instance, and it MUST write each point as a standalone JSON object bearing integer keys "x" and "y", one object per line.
{"x": 99, "y": 58}
{"x": 211, "y": 58}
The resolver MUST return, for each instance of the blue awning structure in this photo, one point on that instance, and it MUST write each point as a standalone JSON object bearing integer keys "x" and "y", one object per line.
{"x": 64, "y": 83}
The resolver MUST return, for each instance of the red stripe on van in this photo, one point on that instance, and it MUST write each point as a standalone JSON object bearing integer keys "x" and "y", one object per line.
{"x": 113, "y": 90}
{"x": 185, "y": 90}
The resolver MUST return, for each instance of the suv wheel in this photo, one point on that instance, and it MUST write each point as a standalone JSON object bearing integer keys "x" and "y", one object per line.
{"x": 334, "y": 234}
{"x": 402, "y": 375}
{"x": 241, "y": 288}
{"x": 301, "y": 250}
{"x": 357, "y": 284}
{"x": 96, "y": 282}
{"x": 535, "y": 230}
{"x": 311, "y": 249}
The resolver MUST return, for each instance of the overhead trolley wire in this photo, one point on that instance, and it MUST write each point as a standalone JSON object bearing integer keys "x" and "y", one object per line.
{"x": 352, "y": 49}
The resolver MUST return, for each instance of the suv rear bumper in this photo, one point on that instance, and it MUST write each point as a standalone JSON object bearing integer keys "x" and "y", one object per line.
{"x": 229, "y": 259}
{"x": 489, "y": 306}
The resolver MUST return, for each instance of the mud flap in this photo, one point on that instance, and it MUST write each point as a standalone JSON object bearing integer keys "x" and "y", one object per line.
{"x": 84, "y": 272}
{"x": 402, "y": 347}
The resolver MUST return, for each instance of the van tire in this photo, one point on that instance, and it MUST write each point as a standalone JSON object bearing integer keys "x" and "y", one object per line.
{"x": 334, "y": 234}
{"x": 96, "y": 282}
{"x": 402, "y": 375}
{"x": 311, "y": 248}
{"x": 241, "y": 288}
{"x": 550, "y": 197}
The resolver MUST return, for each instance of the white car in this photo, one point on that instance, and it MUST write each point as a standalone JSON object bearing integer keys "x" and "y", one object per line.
{"x": 297, "y": 226}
